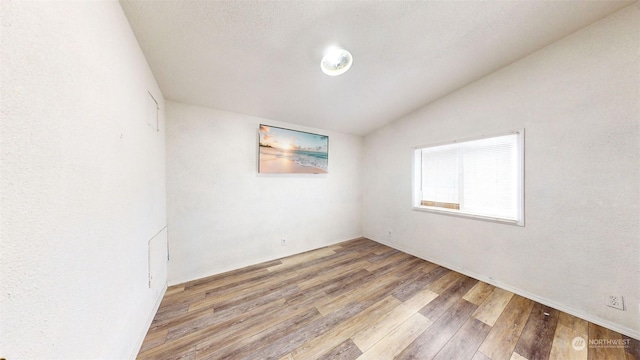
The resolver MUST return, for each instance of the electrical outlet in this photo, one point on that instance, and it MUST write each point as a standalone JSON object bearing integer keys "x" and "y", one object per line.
{"x": 283, "y": 242}
{"x": 616, "y": 302}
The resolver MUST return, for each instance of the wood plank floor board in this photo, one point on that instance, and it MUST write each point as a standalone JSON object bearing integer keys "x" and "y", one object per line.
{"x": 367, "y": 294}
{"x": 349, "y": 285}
{"x": 398, "y": 339}
{"x": 575, "y": 323}
{"x": 537, "y": 336}
{"x": 233, "y": 276}
{"x": 479, "y": 293}
{"x": 480, "y": 356}
{"x": 347, "y": 350}
{"x": 271, "y": 303}
{"x": 361, "y": 245}
{"x": 632, "y": 348}
{"x": 249, "y": 324}
{"x": 316, "y": 347}
{"x": 426, "y": 266}
{"x": 312, "y": 261}
{"x": 405, "y": 268}
{"x": 180, "y": 298}
{"x": 382, "y": 326}
{"x": 295, "y": 339}
{"x": 448, "y": 297}
{"x": 393, "y": 264}
{"x": 516, "y": 356}
{"x": 167, "y": 312}
{"x": 240, "y": 308}
{"x": 346, "y": 276}
{"x": 490, "y": 309}
{"x": 466, "y": 341}
{"x": 196, "y": 323}
{"x": 432, "y": 340}
{"x": 256, "y": 282}
{"x": 389, "y": 262}
{"x": 422, "y": 280}
{"x": 308, "y": 258}
{"x": 269, "y": 335}
{"x": 340, "y": 260}
{"x": 227, "y": 330}
{"x": 172, "y": 290}
{"x": 562, "y": 348}
{"x": 362, "y": 299}
{"x": 602, "y": 344}
{"x": 384, "y": 287}
{"x": 187, "y": 354}
{"x": 377, "y": 257}
{"x": 204, "y": 304}
{"x": 321, "y": 264}
{"x": 333, "y": 271}
{"x": 316, "y": 298}
{"x": 241, "y": 329}
{"x": 154, "y": 339}
{"x": 504, "y": 334}
{"x": 445, "y": 281}
{"x": 178, "y": 346}
{"x": 169, "y": 323}
{"x": 248, "y": 278}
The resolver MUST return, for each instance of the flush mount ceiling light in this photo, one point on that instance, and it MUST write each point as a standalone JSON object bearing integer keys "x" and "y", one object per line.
{"x": 336, "y": 61}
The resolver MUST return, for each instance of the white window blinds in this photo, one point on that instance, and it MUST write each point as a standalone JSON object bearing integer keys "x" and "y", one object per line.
{"x": 490, "y": 177}
{"x": 440, "y": 166}
{"x": 479, "y": 177}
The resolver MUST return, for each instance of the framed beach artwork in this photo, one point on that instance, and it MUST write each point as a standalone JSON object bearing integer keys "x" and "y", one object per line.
{"x": 286, "y": 151}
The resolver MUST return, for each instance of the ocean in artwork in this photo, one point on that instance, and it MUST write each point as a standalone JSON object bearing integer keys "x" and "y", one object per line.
{"x": 303, "y": 158}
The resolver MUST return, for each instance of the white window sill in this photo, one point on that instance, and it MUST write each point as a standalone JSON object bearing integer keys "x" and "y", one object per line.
{"x": 459, "y": 213}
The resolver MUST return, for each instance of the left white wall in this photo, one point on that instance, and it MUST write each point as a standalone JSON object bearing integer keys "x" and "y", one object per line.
{"x": 82, "y": 183}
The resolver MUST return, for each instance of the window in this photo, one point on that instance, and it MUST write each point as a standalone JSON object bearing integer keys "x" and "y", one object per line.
{"x": 481, "y": 178}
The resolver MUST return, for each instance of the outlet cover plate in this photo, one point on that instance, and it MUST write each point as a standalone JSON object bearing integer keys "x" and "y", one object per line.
{"x": 615, "y": 301}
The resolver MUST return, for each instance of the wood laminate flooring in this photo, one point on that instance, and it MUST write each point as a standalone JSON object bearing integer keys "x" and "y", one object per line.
{"x": 363, "y": 300}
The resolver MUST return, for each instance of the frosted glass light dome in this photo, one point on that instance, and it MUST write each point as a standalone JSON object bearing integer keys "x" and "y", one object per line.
{"x": 336, "y": 61}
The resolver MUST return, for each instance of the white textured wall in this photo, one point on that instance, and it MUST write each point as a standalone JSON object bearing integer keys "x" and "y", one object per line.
{"x": 579, "y": 102}
{"x": 82, "y": 183}
{"x": 222, "y": 215}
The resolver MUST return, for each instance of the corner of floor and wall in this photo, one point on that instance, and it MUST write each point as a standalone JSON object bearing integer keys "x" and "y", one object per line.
{"x": 102, "y": 180}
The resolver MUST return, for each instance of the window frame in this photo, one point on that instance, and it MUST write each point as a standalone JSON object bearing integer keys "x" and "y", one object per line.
{"x": 417, "y": 180}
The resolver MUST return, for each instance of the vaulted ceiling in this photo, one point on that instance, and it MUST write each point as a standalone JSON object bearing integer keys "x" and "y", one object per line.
{"x": 262, "y": 58}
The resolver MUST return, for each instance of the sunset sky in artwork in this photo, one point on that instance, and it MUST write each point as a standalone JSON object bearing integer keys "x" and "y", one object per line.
{"x": 292, "y": 140}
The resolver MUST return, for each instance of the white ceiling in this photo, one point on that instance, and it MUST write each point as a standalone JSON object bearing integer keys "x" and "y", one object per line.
{"x": 263, "y": 58}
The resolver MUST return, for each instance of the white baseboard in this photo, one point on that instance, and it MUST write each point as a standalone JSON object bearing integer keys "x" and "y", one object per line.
{"x": 548, "y": 302}
{"x": 152, "y": 315}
